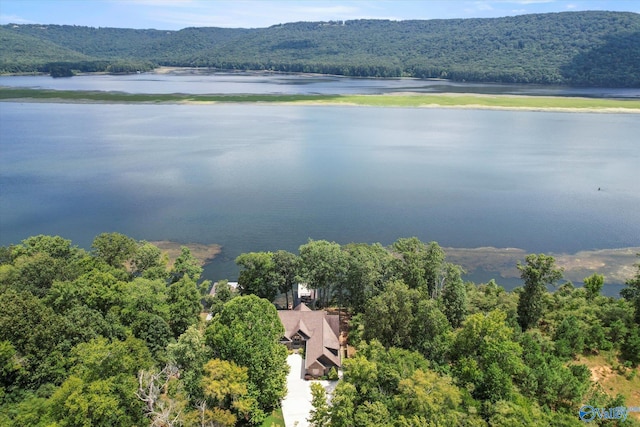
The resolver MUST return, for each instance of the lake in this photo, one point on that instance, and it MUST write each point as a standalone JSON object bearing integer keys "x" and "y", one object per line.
{"x": 202, "y": 81}
{"x": 266, "y": 177}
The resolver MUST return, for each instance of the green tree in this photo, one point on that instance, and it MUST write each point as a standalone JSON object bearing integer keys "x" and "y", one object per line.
{"x": 343, "y": 403}
{"x": 247, "y": 332}
{"x": 521, "y": 413}
{"x": 54, "y": 246}
{"x": 225, "y": 387}
{"x": 101, "y": 390}
{"x": 186, "y": 265}
{"x": 410, "y": 262}
{"x": 114, "y": 248}
{"x": 148, "y": 261}
{"x": 367, "y": 269}
{"x": 538, "y": 272}
{"x": 593, "y": 285}
{"x": 486, "y": 357}
{"x": 285, "y": 266}
{"x": 632, "y": 292}
{"x": 548, "y": 379}
{"x": 323, "y": 265}
{"x": 257, "y": 275}
{"x": 97, "y": 290}
{"x": 570, "y": 337}
{"x": 189, "y": 354}
{"x": 11, "y": 369}
{"x": 431, "y": 331}
{"x": 419, "y": 265}
{"x": 37, "y": 334}
{"x": 183, "y": 298}
{"x": 389, "y": 316}
{"x": 454, "y": 296}
{"x": 140, "y": 296}
{"x": 153, "y": 330}
{"x": 630, "y": 348}
{"x": 41, "y": 260}
{"x": 428, "y": 395}
{"x": 434, "y": 264}
{"x": 372, "y": 414}
{"x": 319, "y": 415}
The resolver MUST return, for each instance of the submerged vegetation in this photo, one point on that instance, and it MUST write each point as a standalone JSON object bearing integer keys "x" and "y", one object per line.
{"x": 116, "y": 336}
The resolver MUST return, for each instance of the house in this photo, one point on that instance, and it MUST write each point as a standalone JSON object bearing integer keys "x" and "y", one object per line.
{"x": 232, "y": 285}
{"x": 317, "y": 333}
{"x": 305, "y": 294}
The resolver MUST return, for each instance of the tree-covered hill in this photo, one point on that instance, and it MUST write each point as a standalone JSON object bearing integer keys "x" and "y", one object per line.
{"x": 579, "y": 48}
{"x": 19, "y": 51}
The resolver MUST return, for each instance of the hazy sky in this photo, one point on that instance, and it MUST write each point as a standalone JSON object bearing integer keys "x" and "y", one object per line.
{"x": 177, "y": 14}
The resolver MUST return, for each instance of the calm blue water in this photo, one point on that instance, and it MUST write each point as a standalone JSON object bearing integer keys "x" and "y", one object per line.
{"x": 268, "y": 177}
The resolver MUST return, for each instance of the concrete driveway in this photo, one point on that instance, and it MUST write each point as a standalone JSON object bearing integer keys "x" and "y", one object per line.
{"x": 297, "y": 404}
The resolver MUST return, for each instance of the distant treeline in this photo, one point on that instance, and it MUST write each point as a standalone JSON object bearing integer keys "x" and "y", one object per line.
{"x": 70, "y": 68}
{"x": 575, "y": 48}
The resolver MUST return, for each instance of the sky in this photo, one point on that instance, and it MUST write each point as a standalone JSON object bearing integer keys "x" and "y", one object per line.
{"x": 178, "y": 14}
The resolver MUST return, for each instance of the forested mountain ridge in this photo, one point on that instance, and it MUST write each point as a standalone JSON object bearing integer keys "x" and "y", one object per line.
{"x": 576, "y": 48}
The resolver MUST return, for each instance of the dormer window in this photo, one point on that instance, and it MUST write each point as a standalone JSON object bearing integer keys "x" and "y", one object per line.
{"x": 297, "y": 340}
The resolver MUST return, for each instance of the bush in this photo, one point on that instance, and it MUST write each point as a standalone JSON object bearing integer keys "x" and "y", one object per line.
{"x": 333, "y": 374}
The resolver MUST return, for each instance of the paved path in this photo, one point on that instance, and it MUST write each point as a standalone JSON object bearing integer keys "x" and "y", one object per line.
{"x": 297, "y": 404}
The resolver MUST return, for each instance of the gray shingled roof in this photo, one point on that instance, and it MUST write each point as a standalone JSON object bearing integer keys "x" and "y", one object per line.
{"x": 321, "y": 329}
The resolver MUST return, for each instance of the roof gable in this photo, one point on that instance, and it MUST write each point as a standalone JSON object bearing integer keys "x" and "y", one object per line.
{"x": 321, "y": 331}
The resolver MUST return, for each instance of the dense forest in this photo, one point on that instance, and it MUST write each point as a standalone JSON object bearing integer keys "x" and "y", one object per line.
{"x": 116, "y": 336}
{"x": 573, "y": 48}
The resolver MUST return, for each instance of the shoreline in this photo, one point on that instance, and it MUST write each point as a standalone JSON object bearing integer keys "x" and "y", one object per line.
{"x": 615, "y": 264}
{"x": 396, "y": 100}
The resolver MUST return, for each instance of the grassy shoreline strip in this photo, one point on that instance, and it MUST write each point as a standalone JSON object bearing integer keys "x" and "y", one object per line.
{"x": 495, "y": 101}
{"x": 386, "y": 100}
{"x": 98, "y": 96}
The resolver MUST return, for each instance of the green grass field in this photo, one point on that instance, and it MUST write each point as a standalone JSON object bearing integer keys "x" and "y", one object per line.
{"x": 397, "y": 100}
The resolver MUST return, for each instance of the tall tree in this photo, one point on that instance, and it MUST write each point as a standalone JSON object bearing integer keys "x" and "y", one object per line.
{"x": 431, "y": 331}
{"x": 247, "y": 332}
{"x": 186, "y": 264}
{"x": 410, "y": 263}
{"x": 319, "y": 415}
{"x": 593, "y": 285}
{"x": 389, "y": 316}
{"x": 434, "y": 262}
{"x": 632, "y": 292}
{"x": 323, "y": 265}
{"x": 419, "y": 265}
{"x": 225, "y": 388}
{"x": 367, "y": 269}
{"x": 184, "y": 305}
{"x": 114, "y": 248}
{"x": 286, "y": 266}
{"x": 454, "y": 296}
{"x": 148, "y": 261}
{"x": 101, "y": 390}
{"x": 486, "y": 356}
{"x": 257, "y": 275}
{"x": 538, "y": 272}
{"x": 189, "y": 354}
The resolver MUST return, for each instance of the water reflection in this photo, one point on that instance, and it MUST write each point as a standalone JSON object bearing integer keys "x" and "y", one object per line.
{"x": 268, "y": 177}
